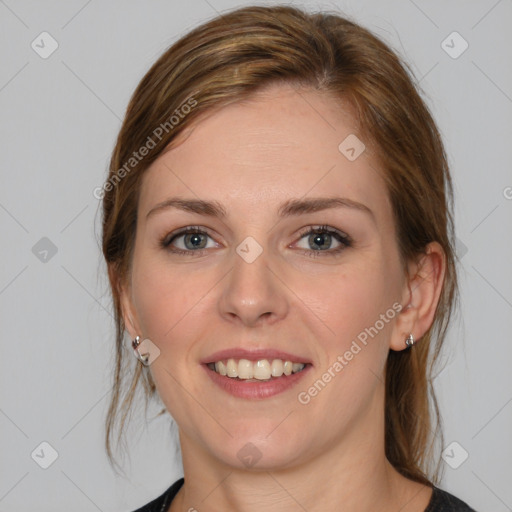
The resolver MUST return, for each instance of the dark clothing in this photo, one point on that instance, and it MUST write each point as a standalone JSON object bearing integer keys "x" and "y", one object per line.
{"x": 163, "y": 502}
{"x": 441, "y": 501}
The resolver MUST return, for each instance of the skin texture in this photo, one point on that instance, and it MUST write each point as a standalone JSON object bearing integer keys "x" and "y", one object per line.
{"x": 251, "y": 157}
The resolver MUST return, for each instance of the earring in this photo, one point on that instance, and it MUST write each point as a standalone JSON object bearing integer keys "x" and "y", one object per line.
{"x": 143, "y": 358}
{"x": 409, "y": 342}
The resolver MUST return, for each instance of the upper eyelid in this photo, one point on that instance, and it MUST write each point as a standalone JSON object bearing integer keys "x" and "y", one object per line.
{"x": 323, "y": 228}
{"x": 303, "y": 231}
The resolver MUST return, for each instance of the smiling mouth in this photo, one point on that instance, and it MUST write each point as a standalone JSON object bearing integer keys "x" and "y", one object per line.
{"x": 260, "y": 370}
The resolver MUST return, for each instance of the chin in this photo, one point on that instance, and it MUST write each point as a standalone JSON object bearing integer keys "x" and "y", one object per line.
{"x": 255, "y": 451}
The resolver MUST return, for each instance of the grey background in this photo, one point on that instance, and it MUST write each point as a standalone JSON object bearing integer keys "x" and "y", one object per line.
{"x": 59, "y": 120}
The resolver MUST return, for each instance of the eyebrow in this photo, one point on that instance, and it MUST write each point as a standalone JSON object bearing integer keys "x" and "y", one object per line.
{"x": 290, "y": 208}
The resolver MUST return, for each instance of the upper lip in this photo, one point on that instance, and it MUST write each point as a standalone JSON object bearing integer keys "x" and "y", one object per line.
{"x": 254, "y": 355}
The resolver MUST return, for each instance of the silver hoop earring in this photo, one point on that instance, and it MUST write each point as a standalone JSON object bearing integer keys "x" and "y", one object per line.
{"x": 143, "y": 358}
{"x": 409, "y": 342}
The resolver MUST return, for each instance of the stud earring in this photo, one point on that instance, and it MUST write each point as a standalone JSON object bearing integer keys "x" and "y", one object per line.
{"x": 143, "y": 358}
{"x": 409, "y": 342}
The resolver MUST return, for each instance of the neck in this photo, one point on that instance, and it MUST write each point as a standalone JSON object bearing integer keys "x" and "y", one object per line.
{"x": 351, "y": 474}
{"x": 309, "y": 488}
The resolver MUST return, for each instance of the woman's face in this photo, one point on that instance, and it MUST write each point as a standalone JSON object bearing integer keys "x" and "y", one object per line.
{"x": 248, "y": 281}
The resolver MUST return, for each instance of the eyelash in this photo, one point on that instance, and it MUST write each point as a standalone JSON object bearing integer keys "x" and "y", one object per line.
{"x": 342, "y": 238}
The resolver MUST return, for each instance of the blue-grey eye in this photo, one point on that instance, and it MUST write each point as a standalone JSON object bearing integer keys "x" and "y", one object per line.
{"x": 323, "y": 239}
{"x": 320, "y": 240}
{"x": 195, "y": 241}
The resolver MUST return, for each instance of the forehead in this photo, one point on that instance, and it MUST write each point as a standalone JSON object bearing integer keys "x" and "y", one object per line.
{"x": 282, "y": 143}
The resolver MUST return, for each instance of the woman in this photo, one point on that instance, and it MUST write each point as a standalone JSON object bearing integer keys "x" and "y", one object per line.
{"x": 278, "y": 232}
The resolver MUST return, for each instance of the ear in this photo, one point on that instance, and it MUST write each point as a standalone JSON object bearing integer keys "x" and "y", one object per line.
{"x": 420, "y": 296}
{"x": 126, "y": 302}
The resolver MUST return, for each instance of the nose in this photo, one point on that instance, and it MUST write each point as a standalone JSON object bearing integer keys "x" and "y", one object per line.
{"x": 253, "y": 293}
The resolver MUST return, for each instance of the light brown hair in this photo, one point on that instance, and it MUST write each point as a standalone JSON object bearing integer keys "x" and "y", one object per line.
{"x": 226, "y": 60}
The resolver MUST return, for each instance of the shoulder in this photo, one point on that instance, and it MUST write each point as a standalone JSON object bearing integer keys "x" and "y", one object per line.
{"x": 443, "y": 501}
{"x": 163, "y": 501}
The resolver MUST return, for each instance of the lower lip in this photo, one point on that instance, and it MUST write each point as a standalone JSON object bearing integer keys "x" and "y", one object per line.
{"x": 253, "y": 389}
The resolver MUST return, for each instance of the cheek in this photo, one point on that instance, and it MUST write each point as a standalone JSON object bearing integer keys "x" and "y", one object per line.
{"x": 170, "y": 309}
{"x": 351, "y": 300}
{"x": 354, "y": 350}
{"x": 166, "y": 300}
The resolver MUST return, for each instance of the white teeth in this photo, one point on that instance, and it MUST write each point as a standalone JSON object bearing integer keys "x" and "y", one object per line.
{"x": 220, "y": 367}
{"x": 232, "y": 368}
{"x": 245, "y": 369}
{"x": 277, "y": 368}
{"x": 261, "y": 370}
